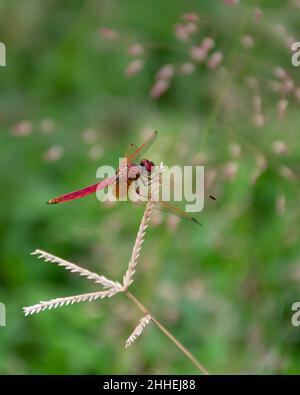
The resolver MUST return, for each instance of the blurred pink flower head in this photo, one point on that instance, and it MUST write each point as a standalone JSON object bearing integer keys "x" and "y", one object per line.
{"x": 191, "y": 17}
{"x": 188, "y": 68}
{"x": 231, "y": 2}
{"x": 247, "y": 41}
{"x": 296, "y": 3}
{"x": 230, "y": 170}
{"x": 198, "y": 54}
{"x": 108, "y": 33}
{"x": 89, "y": 136}
{"x": 96, "y": 152}
{"x": 135, "y": 49}
{"x": 288, "y": 85}
{"x": 280, "y": 204}
{"x": 215, "y": 60}
{"x": 53, "y": 154}
{"x": 261, "y": 165}
{"x": 297, "y": 94}
{"x": 159, "y": 88}
{"x": 207, "y": 44}
{"x": 280, "y": 29}
{"x": 22, "y": 129}
{"x": 287, "y": 173}
{"x": 279, "y": 147}
{"x": 173, "y": 222}
{"x": 47, "y": 125}
{"x": 280, "y": 73}
{"x": 259, "y": 120}
{"x": 276, "y": 86}
{"x": 166, "y": 72}
{"x": 210, "y": 176}
{"x": 257, "y": 103}
{"x": 290, "y": 40}
{"x": 235, "y": 150}
{"x": 134, "y": 67}
{"x": 281, "y": 108}
{"x": 191, "y": 27}
{"x": 156, "y": 218}
{"x": 252, "y": 82}
{"x": 258, "y": 13}
{"x": 181, "y": 32}
{"x": 261, "y": 162}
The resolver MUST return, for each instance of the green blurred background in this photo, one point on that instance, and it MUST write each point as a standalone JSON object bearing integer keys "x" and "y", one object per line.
{"x": 226, "y": 289}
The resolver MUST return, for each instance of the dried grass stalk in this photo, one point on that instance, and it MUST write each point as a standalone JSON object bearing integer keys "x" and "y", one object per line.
{"x": 59, "y": 302}
{"x": 112, "y": 288}
{"x": 77, "y": 269}
{"x": 128, "y": 277}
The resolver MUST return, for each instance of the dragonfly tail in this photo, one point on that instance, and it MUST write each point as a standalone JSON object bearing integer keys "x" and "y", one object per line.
{"x": 74, "y": 195}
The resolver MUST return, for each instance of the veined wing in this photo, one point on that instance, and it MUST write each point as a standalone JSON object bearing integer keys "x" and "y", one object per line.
{"x": 138, "y": 152}
{"x": 130, "y": 150}
{"x": 134, "y": 153}
{"x": 170, "y": 208}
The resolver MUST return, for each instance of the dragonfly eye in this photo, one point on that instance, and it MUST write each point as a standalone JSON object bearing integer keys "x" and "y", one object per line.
{"x": 146, "y": 164}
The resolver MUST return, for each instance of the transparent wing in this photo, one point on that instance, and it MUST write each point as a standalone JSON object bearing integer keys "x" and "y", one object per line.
{"x": 138, "y": 152}
{"x": 130, "y": 150}
{"x": 170, "y": 208}
{"x": 134, "y": 153}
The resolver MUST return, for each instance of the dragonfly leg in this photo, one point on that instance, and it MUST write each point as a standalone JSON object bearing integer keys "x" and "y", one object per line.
{"x": 147, "y": 182}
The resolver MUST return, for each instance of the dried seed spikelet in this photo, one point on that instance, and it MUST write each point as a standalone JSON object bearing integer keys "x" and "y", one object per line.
{"x": 138, "y": 330}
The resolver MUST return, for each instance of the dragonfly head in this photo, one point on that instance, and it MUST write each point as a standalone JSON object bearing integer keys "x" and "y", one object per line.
{"x": 147, "y": 165}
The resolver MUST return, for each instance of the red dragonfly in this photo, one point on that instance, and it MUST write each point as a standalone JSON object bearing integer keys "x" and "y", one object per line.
{"x": 132, "y": 171}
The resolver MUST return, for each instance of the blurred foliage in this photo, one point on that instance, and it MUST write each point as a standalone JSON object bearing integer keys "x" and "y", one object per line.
{"x": 226, "y": 289}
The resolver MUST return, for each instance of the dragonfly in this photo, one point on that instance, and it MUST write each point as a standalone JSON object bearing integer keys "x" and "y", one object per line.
{"x": 131, "y": 169}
